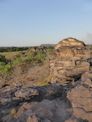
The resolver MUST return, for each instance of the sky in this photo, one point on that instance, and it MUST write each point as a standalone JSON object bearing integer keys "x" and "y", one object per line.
{"x": 35, "y": 22}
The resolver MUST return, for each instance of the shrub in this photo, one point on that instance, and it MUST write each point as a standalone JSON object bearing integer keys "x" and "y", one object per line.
{"x": 35, "y": 57}
{"x": 5, "y": 68}
{"x": 39, "y": 57}
{"x": 3, "y": 59}
{"x": 16, "y": 61}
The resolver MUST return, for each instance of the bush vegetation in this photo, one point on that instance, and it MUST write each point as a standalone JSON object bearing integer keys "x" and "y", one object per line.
{"x": 11, "y": 49}
{"x": 9, "y": 59}
{"x": 33, "y": 58}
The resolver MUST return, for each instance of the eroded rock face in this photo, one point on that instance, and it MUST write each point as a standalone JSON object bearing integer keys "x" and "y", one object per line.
{"x": 69, "y": 102}
{"x": 47, "y": 104}
{"x": 70, "y": 60}
{"x": 81, "y": 98}
{"x": 45, "y": 111}
{"x": 70, "y": 42}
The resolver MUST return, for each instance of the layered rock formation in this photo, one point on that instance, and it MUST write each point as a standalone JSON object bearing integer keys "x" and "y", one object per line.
{"x": 70, "y": 60}
{"x": 73, "y": 63}
{"x": 69, "y": 100}
{"x": 70, "y": 42}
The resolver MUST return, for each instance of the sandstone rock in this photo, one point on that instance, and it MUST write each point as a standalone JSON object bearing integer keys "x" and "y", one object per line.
{"x": 70, "y": 42}
{"x": 13, "y": 112}
{"x": 86, "y": 75}
{"x": 76, "y": 120}
{"x": 26, "y": 93}
{"x": 55, "y": 102}
{"x": 71, "y": 120}
{"x": 81, "y": 99}
{"x": 71, "y": 60}
{"x": 33, "y": 118}
{"x": 6, "y": 94}
{"x": 52, "y": 107}
{"x": 23, "y": 109}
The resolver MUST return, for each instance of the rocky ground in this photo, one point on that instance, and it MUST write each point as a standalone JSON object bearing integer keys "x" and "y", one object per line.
{"x": 66, "y": 98}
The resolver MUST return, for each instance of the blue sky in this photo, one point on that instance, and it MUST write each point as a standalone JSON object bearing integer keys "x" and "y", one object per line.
{"x": 32, "y": 22}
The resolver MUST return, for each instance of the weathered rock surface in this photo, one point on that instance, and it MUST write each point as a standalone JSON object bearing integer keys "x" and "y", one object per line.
{"x": 69, "y": 100}
{"x": 81, "y": 98}
{"x": 46, "y": 104}
{"x": 10, "y": 95}
{"x": 70, "y": 61}
{"x": 70, "y": 42}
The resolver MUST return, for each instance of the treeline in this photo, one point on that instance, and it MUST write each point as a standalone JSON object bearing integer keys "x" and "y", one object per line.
{"x": 10, "y": 49}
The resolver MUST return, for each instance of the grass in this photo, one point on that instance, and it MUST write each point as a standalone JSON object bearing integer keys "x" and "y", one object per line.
{"x": 5, "y": 68}
{"x": 39, "y": 57}
{"x": 33, "y": 58}
{"x": 9, "y": 60}
{"x": 10, "y": 55}
{"x": 4, "y": 64}
{"x": 16, "y": 61}
{"x": 41, "y": 83}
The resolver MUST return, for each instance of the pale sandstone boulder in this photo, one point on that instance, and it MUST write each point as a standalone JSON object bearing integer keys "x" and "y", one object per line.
{"x": 70, "y": 42}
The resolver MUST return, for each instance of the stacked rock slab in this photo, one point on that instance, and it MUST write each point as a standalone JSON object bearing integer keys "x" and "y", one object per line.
{"x": 70, "y": 60}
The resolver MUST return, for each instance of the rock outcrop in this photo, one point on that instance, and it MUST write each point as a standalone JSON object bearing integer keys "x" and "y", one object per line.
{"x": 81, "y": 98}
{"x": 70, "y": 42}
{"x": 43, "y": 104}
{"x": 70, "y": 61}
{"x": 67, "y": 97}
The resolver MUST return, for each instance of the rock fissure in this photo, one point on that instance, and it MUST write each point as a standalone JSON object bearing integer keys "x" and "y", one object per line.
{"x": 83, "y": 109}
